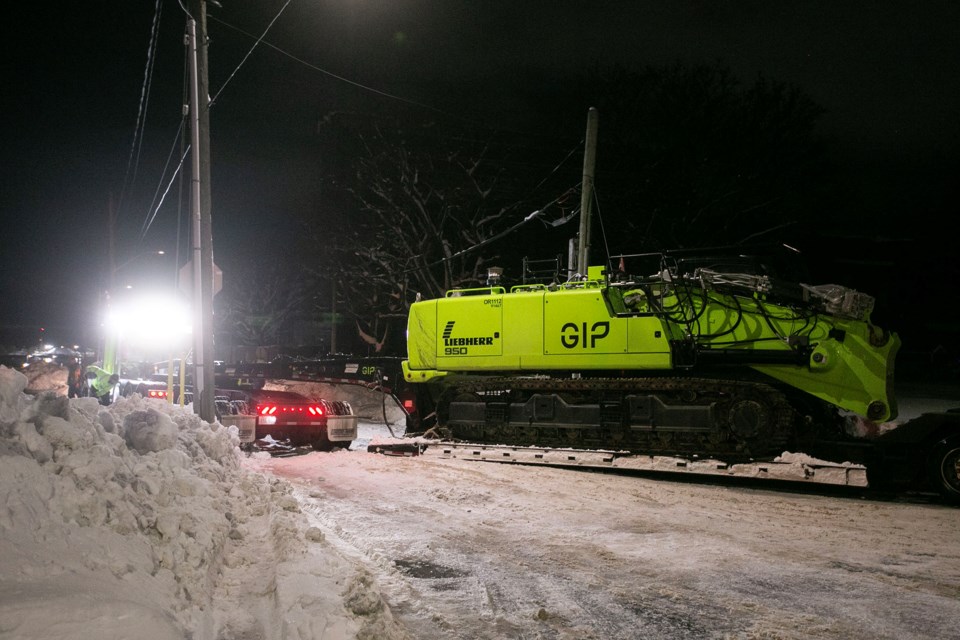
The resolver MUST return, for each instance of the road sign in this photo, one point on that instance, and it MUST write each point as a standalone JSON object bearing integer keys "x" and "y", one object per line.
{"x": 186, "y": 278}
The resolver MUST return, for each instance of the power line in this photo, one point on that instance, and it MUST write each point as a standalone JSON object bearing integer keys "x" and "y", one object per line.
{"x": 262, "y": 39}
{"x": 136, "y": 143}
{"x": 152, "y": 212}
{"x": 330, "y": 74}
{"x": 259, "y": 40}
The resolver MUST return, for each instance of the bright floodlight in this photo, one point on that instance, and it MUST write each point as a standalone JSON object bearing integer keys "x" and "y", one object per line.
{"x": 155, "y": 321}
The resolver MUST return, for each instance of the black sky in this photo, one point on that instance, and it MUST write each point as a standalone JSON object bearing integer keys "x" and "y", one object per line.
{"x": 885, "y": 71}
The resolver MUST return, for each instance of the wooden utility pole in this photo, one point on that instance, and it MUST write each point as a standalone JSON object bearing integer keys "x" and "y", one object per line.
{"x": 586, "y": 194}
{"x": 111, "y": 244}
{"x": 108, "y": 341}
{"x": 202, "y": 257}
{"x": 333, "y": 317}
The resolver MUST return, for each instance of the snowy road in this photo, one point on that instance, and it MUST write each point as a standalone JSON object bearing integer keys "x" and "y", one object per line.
{"x": 466, "y": 549}
{"x": 139, "y": 520}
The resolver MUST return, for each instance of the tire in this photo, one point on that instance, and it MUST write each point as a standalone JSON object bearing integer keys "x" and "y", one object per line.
{"x": 322, "y": 443}
{"x": 944, "y": 468}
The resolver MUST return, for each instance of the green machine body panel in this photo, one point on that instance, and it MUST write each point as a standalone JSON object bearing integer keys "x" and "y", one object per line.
{"x": 819, "y": 341}
{"x": 532, "y": 331}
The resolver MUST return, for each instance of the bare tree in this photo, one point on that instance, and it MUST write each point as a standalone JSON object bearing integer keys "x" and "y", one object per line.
{"x": 419, "y": 204}
{"x": 259, "y": 303}
{"x": 687, "y": 157}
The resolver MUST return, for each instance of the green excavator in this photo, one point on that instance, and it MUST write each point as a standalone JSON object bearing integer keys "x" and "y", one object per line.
{"x": 673, "y": 354}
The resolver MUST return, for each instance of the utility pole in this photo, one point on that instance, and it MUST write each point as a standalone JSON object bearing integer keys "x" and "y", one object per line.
{"x": 202, "y": 255}
{"x": 111, "y": 243}
{"x": 108, "y": 343}
{"x": 333, "y": 317}
{"x": 586, "y": 193}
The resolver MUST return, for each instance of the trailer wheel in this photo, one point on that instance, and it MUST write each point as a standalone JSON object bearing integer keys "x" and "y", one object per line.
{"x": 322, "y": 443}
{"x": 945, "y": 467}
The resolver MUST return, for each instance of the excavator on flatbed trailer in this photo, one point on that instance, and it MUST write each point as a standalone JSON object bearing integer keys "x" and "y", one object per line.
{"x": 688, "y": 356}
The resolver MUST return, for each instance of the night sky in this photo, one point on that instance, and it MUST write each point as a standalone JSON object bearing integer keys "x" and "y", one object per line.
{"x": 887, "y": 73}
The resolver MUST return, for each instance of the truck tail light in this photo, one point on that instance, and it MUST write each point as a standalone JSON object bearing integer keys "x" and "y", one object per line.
{"x": 156, "y": 393}
{"x": 274, "y": 410}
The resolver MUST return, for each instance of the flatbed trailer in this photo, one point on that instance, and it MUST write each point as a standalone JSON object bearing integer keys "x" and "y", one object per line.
{"x": 922, "y": 455}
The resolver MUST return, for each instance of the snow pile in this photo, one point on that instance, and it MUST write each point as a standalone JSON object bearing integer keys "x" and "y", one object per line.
{"x": 139, "y": 520}
{"x": 46, "y": 376}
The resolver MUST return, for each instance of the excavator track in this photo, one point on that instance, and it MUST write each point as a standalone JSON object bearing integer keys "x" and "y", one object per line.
{"x": 731, "y": 420}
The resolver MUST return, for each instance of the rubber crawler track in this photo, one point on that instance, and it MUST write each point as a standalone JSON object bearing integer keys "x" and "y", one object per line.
{"x": 735, "y": 420}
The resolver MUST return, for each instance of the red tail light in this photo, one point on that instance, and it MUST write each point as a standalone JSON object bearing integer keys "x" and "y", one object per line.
{"x": 274, "y": 409}
{"x": 155, "y": 393}
{"x": 408, "y": 405}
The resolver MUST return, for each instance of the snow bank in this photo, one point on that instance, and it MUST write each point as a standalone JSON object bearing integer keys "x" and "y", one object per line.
{"x": 46, "y": 376}
{"x": 139, "y": 520}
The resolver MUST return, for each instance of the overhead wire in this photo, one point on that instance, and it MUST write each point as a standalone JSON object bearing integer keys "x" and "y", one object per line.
{"x": 136, "y": 144}
{"x": 330, "y": 74}
{"x": 148, "y": 222}
{"x": 258, "y": 41}
{"x": 262, "y": 40}
{"x": 364, "y": 87}
{"x": 603, "y": 231}
{"x": 535, "y": 215}
{"x": 152, "y": 212}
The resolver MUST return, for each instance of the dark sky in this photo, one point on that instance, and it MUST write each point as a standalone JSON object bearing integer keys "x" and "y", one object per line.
{"x": 885, "y": 71}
